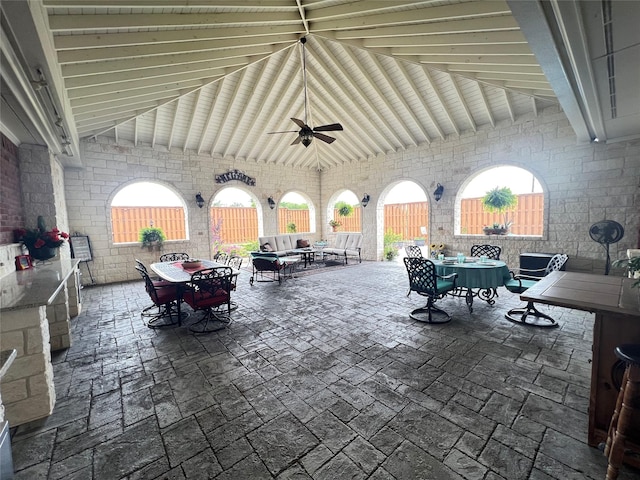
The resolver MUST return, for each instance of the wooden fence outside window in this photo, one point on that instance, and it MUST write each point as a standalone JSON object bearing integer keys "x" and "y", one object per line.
{"x": 240, "y": 224}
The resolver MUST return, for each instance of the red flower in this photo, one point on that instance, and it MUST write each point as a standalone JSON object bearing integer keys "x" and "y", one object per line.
{"x": 64, "y": 235}
{"x": 39, "y": 243}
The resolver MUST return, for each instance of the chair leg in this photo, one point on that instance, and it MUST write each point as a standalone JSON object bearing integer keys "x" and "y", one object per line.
{"x": 537, "y": 318}
{"x": 426, "y": 314}
{"x": 160, "y": 319}
{"x": 212, "y": 321}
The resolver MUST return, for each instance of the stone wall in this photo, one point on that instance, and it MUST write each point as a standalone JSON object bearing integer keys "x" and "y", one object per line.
{"x": 109, "y": 167}
{"x": 582, "y": 183}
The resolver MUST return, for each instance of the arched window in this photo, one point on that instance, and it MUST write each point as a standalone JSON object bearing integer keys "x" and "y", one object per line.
{"x": 147, "y": 204}
{"x": 234, "y": 219}
{"x": 346, "y": 214}
{"x": 295, "y": 214}
{"x": 526, "y": 218}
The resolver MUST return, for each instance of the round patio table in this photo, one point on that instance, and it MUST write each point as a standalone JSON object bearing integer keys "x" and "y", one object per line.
{"x": 475, "y": 279}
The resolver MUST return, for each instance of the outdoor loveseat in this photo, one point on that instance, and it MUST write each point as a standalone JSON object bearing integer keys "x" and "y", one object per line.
{"x": 347, "y": 244}
{"x": 281, "y": 245}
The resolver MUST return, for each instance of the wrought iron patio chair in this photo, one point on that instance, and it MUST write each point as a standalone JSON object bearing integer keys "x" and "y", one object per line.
{"x": 413, "y": 251}
{"x": 491, "y": 251}
{"x": 268, "y": 267}
{"x": 521, "y": 282}
{"x": 174, "y": 257}
{"x": 209, "y": 289}
{"x": 148, "y": 311}
{"x": 221, "y": 257}
{"x": 424, "y": 280}
{"x": 165, "y": 297}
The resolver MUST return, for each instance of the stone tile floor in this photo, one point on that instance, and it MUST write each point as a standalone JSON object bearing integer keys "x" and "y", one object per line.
{"x": 322, "y": 377}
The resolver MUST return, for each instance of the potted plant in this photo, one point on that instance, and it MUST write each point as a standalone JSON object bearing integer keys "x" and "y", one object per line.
{"x": 151, "y": 236}
{"x": 344, "y": 209}
{"x": 42, "y": 244}
{"x": 291, "y": 227}
{"x": 633, "y": 267}
{"x": 334, "y": 224}
{"x": 499, "y": 200}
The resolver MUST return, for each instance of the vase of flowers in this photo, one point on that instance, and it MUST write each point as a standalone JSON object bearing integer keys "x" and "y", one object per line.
{"x": 334, "y": 224}
{"x": 42, "y": 244}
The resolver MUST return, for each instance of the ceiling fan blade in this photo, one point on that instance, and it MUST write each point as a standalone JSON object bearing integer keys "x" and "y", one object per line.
{"x": 328, "y": 128}
{"x": 296, "y": 141}
{"x": 299, "y": 122}
{"x": 285, "y": 131}
{"x": 323, "y": 137}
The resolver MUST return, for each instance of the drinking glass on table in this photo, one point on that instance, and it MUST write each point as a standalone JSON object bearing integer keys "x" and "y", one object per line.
{"x": 461, "y": 257}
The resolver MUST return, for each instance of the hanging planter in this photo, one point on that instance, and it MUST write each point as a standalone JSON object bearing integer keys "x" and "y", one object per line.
{"x": 151, "y": 237}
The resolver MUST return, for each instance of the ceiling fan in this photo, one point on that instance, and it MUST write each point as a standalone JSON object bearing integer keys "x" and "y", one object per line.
{"x": 306, "y": 133}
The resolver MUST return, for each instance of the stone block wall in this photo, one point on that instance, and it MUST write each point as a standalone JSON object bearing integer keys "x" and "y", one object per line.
{"x": 108, "y": 167}
{"x": 583, "y": 184}
{"x": 28, "y": 391}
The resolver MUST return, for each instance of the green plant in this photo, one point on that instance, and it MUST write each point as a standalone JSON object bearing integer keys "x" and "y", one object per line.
{"x": 334, "y": 223}
{"x": 150, "y": 236}
{"x": 390, "y": 251}
{"x": 245, "y": 248}
{"x": 633, "y": 266}
{"x": 344, "y": 209}
{"x": 291, "y": 228}
{"x": 500, "y": 200}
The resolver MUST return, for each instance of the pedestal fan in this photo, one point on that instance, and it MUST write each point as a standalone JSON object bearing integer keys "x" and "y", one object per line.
{"x": 605, "y": 233}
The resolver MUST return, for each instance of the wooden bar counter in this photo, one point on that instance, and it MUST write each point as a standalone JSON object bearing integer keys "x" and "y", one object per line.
{"x": 617, "y": 321}
{"x": 35, "y": 309}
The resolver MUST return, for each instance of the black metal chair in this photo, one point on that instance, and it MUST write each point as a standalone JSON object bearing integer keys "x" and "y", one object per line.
{"x": 491, "y": 251}
{"x": 209, "y": 289}
{"x": 147, "y": 311}
{"x": 267, "y": 267}
{"x": 413, "y": 251}
{"x": 174, "y": 257}
{"x": 235, "y": 262}
{"x": 424, "y": 280}
{"x": 521, "y": 282}
{"x": 221, "y": 257}
{"x": 165, "y": 297}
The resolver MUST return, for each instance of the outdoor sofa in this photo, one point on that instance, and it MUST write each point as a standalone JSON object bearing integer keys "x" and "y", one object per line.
{"x": 347, "y": 244}
{"x": 282, "y": 244}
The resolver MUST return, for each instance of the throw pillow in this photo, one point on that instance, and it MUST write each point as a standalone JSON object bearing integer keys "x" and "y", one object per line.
{"x": 302, "y": 243}
{"x": 266, "y": 247}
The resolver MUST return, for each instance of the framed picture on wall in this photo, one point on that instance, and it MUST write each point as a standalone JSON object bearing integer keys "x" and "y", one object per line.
{"x": 23, "y": 262}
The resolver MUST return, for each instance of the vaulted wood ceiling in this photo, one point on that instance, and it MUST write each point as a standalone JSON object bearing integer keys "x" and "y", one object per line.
{"x": 214, "y": 77}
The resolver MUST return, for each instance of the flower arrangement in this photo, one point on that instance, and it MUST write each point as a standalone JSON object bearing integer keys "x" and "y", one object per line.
{"x": 335, "y": 223}
{"x": 436, "y": 249}
{"x": 39, "y": 240}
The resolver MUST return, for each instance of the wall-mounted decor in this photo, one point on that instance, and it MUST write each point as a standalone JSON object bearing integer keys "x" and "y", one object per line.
{"x": 236, "y": 175}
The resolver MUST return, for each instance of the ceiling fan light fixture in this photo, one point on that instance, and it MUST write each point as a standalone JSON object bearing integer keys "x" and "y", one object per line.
{"x": 306, "y": 138}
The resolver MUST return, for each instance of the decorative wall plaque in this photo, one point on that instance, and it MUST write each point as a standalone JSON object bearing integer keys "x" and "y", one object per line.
{"x": 236, "y": 175}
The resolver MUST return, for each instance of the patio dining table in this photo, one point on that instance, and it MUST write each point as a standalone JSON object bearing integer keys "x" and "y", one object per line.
{"x": 175, "y": 272}
{"x": 475, "y": 278}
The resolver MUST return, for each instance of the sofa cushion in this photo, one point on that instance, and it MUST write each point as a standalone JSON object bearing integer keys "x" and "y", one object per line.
{"x": 301, "y": 243}
{"x": 266, "y": 247}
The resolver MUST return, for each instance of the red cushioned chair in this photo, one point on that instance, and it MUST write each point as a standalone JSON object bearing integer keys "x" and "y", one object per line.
{"x": 165, "y": 296}
{"x": 209, "y": 289}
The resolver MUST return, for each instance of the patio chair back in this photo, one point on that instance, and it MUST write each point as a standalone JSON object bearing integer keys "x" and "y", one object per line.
{"x": 491, "y": 251}
{"x": 413, "y": 251}
{"x": 174, "y": 257}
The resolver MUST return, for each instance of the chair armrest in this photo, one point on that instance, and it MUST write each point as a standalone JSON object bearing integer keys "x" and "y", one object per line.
{"x": 453, "y": 276}
{"x": 527, "y": 273}
{"x": 448, "y": 277}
